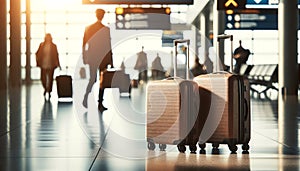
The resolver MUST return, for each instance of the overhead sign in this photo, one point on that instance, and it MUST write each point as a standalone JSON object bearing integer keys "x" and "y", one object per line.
{"x": 252, "y": 19}
{"x": 186, "y": 2}
{"x": 231, "y": 4}
{"x": 169, "y": 36}
{"x": 258, "y": 4}
{"x": 143, "y": 18}
{"x": 262, "y": 4}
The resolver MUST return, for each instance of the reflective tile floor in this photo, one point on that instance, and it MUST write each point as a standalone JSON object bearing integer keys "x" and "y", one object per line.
{"x": 36, "y": 134}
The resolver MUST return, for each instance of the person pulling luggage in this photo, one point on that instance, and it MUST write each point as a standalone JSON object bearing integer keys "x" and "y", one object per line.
{"x": 47, "y": 59}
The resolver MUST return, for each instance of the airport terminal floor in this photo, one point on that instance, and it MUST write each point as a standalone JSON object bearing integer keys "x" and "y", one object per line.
{"x": 37, "y": 134}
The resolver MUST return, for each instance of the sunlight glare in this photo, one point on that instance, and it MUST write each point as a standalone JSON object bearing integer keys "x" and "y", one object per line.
{"x": 61, "y": 4}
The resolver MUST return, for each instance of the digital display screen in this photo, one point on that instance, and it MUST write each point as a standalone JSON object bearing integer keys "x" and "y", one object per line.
{"x": 187, "y": 2}
{"x": 143, "y": 18}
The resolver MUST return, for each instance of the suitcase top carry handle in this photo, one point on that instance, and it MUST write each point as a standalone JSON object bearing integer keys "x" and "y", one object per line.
{"x": 181, "y": 41}
{"x": 176, "y": 42}
{"x": 226, "y": 36}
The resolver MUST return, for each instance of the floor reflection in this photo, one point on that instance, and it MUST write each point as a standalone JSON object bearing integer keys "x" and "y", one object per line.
{"x": 15, "y": 107}
{"x": 51, "y": 135}
{"x": 288, "y": 125}
{"x": 184, "y": 162}
{"x": 3, "y": 112}
{"x": 47, "y": 111}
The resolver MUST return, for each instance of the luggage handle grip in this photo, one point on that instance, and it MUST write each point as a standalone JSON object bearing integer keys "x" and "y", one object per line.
{"x": 176, "y": 42}
{"x": 226, "y": 36}
{"x": 181, "y": 41}
{"x": 172, "y": 78}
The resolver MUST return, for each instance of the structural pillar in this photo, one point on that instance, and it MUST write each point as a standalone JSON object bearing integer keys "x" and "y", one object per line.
{"x": 288, "y": 76}
{"x": 15, "y": 44}
{"x": 288, "y": 41}
{"x": 3, "y": 45}
{"x": 204, "y": 29}
{"x": 218, "y": 28}
{"x": 28, "y": 44}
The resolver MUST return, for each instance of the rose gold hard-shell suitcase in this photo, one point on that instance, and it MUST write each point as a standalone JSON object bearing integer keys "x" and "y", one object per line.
{"x": 172, "y": 107}
{"x": 227, "y": 109}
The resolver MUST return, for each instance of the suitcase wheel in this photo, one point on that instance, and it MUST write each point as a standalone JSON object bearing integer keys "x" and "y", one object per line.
{"x": 245, "y": 147}
{"x": 193, "y": 148}
{"x": 181, "y": 148}
{"x": 151, "y": 146}
{"x": 129, "y": 91}
{"x": 232, "y": 147}
{"x": 162, "y": 147}
{"x": 215, "y": 151}
{"x": 202, "y": 148}
{"x": 215, "y": 145}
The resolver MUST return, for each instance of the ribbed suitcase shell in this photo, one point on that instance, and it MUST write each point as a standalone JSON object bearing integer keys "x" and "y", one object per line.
{"x": 228, "y": 109}
{"x": 172, "y": 111}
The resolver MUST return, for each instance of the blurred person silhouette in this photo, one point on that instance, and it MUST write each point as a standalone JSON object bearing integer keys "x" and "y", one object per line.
{"x": 97, "y": 54}
{"x": 157, "y": 69}
{"x": 122, "y": 67}
{"x": 198, "y": 68}
{"x": 208, "y": 63}
{"x": 241, "y": 56}
{"x": 142, "y": 65}
{"x": 47, "y": 59}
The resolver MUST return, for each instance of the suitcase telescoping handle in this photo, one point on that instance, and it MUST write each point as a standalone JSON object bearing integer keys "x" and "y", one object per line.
{"x": 176, "y": 42}
{"x": 225, "y": 36}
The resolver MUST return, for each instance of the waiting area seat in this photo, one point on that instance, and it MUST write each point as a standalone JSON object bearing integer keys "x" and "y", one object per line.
{"x": 245, "y": 69}
{"x": 263, "y": 75}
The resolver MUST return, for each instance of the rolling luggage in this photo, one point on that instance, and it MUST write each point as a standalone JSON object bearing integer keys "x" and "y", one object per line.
{"x": 64, "y": 86}
{"x": 112, "y": 78}
{"x": 172, "y": 107}
{"x": 228, "y": 108}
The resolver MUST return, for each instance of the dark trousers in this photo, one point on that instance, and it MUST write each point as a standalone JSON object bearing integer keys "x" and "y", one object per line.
{"x": 47, "y": 79}
{"x": 143, "y": 75}
{"x": 92, "y": 80}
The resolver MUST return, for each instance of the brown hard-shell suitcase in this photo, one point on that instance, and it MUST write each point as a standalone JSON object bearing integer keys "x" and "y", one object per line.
{"x": 64, "y": 86}
{"x": 227, "y": 109}
{"x": 113, "y": 78}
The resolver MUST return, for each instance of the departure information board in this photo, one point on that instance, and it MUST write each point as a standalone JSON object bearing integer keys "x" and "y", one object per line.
{"x": 143, "y": 18}
{"x": 263, "y": 4}
{"x": 252, "y": 19}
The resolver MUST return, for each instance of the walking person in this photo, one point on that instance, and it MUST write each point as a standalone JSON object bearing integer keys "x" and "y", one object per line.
{"x": 97, "y": 54}
{"x": 47, "y": 59}
{"x": 198, "y": 68}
